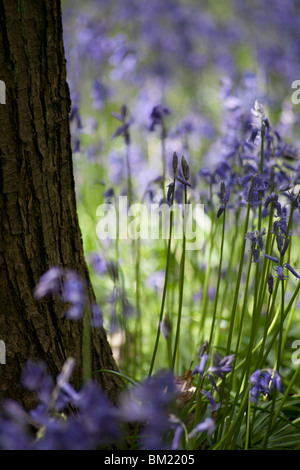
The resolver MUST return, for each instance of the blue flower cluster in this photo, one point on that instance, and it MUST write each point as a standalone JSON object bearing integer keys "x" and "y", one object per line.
{"x": 65, "y": 419}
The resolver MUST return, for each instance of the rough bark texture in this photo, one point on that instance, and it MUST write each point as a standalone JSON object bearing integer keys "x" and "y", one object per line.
{"x": 38, "y": 220}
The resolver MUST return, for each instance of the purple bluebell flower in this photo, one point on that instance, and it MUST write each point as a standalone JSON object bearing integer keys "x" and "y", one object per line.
{"x": 73, "y": 292}
{"x": 213, "y": 382}
{"x": 285, "y": 247}
{"x": 183, "y": 181}
{"x": 68, "y": 284}
{"x": 177, "y": 436}
{"x": 157, "y": 116}
{"x": 13, "y": 434}
{"x": 214, "y": 406}
{"x": 223, "y": 366}
{"x": 33, "y": 375}
{"x": 49, "y": 283}
{"x": 280, "y": 274}
{"x": 109, "y": 194}
{"x": 99, "y": 94}
{"x": 289, "y": 267}
{"x": 150, "y": 404}
{"x": 98, "y": 263}
{"x": 170, "y": 192}
{"x": 97, "y": 316}
{"x": 263, "y": 382}
{"x": 207, "y": 425}
{"x": 272, "y": 258}
{"x": 175, "y": 162}
{"x": 255, "y": 255}
{"x": 201, "y": 368}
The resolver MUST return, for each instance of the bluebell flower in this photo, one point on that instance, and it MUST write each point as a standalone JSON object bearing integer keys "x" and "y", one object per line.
{"x": 49, "y": 283}
{"x": 214, "y": 406}
{"x": 213, "y": 382}
{"x": 68, "y": 284}
{"x": 263, "y": 382}
{"x": 33, "y": 375}
{"x": 289, "y": 267}
{"x": 256, "y": 239}
{"x": 150, "y": 404}
{"x": 272, "y": 258}
{"x": 157, "y": 116}
{"x": 123, "y": 130}
{"x": 98, "y": 263}
{"x": 177, "y": 436}
{"x": 280, "y": 274}
{"x": 97, "y": 316}
{"x": 73, "y": 292}
{"x": 207, "y": 425}
{"x": 201, "y": 368}
{"x": 223, "y": 366}
{"x": 13, "y": 435}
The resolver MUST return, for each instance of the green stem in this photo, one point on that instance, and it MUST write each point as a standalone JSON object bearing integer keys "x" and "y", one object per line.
{"x": 218, "y": 282}
{"x": 181, "y": 284}
{"x": 238, "y": 282}
{"x": 165, "y": 286}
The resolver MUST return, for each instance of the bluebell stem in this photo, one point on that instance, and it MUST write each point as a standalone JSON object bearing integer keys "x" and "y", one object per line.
{"x": 166, "y": 326}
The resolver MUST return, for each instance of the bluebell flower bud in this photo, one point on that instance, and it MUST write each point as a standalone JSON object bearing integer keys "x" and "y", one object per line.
{"x": 185, "y": 168}
{"x": 270, "y": 283}
{"x": 175, "y": 162}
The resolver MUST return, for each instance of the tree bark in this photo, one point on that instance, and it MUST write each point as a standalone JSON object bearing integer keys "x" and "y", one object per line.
{"x": 38, "y": 219}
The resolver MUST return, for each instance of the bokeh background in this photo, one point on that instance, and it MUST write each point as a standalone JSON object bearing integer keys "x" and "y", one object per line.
{"x": 206, "y": 62}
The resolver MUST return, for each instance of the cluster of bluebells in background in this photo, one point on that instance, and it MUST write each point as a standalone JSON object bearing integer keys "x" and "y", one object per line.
{"x": 177, "y": 102}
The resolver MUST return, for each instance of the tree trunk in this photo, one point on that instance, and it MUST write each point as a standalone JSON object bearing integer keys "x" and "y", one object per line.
{"x": 38, "y": 219}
